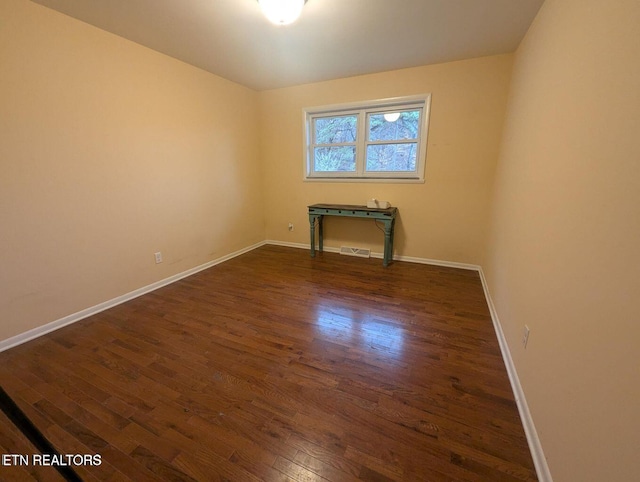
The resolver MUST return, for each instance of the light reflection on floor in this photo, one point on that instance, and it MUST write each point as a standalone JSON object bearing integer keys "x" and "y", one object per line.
{"x": 362, "y": 330}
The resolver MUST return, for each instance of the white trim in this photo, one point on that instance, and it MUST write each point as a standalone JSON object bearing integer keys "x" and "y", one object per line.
{"x": 437, "y": 262}
{"x": 409, "y": 259}
{"x": 387, "y": 180}
{"x": 535, "y": 447}
{"x": 80, "y": 315}
{"x": 287, "y": 244}
{"x": 362, "y": 110}
{"x": 350, "y": 106}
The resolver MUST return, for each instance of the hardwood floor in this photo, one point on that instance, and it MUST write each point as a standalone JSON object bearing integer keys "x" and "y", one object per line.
{"x": 276, "y": 366}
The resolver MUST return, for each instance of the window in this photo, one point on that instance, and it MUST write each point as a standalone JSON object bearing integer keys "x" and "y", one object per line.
{"x": 379, "y": 140}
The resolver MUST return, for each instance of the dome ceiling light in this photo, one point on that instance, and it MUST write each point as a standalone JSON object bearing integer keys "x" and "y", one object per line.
{"x": 282, "y": 12}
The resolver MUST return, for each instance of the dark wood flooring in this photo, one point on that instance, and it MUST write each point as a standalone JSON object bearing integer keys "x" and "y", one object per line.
{"x": 276, "y": 366}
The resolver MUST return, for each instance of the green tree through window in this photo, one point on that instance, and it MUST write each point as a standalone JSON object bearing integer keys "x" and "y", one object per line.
{"x": 377, "y": 140}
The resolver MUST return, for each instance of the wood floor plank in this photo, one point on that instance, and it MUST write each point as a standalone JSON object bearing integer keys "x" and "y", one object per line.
{"x": 276, "y": 366}
{"x": 12, "y": 441}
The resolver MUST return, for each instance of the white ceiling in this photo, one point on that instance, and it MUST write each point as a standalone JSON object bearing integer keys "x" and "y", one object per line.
{"x": 332, "y": 38}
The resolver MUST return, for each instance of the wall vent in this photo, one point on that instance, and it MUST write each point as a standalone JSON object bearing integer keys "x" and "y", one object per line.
{"x": 360, "y": 252}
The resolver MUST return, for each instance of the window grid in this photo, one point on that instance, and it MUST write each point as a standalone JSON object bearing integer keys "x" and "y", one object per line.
{"x": 413, "y": 146}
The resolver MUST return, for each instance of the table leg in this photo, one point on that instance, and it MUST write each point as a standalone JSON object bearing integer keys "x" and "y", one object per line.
{"x": 393, "y": 229}
{"x": 388, "y": 242}
{"x": 320, "y": 234}
{"x": 312, "y": 232}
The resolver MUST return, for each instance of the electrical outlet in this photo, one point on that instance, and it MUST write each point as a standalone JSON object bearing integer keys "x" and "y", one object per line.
{"x": 525, "y": 336}
{"x": 158, "y": 256}
{"x": 290, "y": 226}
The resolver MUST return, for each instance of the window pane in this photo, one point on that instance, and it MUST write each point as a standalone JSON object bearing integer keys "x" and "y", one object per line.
{"x": 392, "y": 157}
{"x": 335, "y": 130}
{"x": 334, "y": 159}
{"x": 405, "y": 127}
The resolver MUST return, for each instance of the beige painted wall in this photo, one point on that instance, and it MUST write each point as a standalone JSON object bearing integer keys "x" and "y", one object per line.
{"x": 564, "y": 252}
{"x": 443, "y": 218}
{"x": 110, "y": 152}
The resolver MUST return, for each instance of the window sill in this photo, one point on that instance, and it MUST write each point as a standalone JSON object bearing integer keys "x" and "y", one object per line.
{"x": 386, "y": 180}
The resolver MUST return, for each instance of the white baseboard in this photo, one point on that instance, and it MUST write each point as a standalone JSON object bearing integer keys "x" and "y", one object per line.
{"x": 437, "y": 262}
{"x": 540, "y": 462}
{"x": 80, "y": 315}
{"x": 409, "y": 259}
{"x": 287, "y": 244}
{"x": 535, "y": 447}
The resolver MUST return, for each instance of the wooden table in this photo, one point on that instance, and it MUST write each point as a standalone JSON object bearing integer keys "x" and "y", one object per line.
{"x": 386, "y": 216}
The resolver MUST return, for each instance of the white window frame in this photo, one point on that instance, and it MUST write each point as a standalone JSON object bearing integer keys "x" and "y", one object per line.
{"x": 363, "y": 110}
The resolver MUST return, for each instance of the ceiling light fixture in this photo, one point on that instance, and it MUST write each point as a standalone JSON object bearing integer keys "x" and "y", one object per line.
{"x": 392, "y": 116}
{"x": 282, "y": 12}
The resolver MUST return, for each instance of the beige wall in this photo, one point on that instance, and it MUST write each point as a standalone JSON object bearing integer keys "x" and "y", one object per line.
{"x": 109, "y": 152}
{"x": 564, "y": 252}
{"x": 443, "y": 218}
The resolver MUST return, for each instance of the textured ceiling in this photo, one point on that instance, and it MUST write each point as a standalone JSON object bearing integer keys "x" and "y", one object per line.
{"x": 332, "y": 38}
